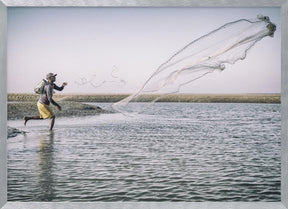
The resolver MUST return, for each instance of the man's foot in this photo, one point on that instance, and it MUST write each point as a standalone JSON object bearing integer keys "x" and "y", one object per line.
{"x": 25, "y": 120}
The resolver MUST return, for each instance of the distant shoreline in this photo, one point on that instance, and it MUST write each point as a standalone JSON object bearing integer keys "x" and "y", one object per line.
{"x": 201, "y": 98}
{"x": 73, "y": 105}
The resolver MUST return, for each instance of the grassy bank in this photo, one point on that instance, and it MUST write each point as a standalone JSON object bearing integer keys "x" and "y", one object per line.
{"x": 204, "y": 98}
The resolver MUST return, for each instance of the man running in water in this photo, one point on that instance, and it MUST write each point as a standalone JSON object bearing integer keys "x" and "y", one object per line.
{"x": 44, "y": 101}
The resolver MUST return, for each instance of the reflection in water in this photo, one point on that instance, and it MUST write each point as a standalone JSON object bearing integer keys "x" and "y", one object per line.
{"x": 45, "y": 172}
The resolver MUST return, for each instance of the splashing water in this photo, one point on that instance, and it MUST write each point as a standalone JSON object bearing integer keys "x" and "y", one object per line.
{"x": 209, "y": 53}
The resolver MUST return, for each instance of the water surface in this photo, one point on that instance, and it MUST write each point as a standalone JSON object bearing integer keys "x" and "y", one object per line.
{"x": 173, "y": 152}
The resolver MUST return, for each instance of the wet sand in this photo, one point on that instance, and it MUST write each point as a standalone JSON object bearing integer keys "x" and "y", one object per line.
{"x": 17, "y": 110}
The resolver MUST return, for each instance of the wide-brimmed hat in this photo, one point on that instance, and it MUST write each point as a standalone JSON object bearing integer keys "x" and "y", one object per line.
{"x": 49, "y": 75}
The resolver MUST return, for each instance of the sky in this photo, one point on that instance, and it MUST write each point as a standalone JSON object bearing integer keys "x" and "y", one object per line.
{"x": 115, "y": 50}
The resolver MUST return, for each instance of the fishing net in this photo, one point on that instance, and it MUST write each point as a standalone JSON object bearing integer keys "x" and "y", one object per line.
{"x": 207, "y": 54}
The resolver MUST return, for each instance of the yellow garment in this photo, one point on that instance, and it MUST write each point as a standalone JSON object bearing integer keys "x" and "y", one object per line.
{"x": 45, "y": 111}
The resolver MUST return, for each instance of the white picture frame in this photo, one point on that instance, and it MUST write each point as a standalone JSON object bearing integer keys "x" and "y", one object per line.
{"x": 4, "y": 4}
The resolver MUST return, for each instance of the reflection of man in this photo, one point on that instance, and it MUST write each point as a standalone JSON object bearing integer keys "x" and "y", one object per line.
{"x": 45, "y": 100}
{"x": 45, "y": 173}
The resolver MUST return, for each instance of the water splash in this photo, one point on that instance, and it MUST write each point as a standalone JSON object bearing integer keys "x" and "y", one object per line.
{"x": 225, "y": 45}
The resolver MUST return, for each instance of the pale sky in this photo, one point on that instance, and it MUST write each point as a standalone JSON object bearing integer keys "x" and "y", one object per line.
{"x": 115, "y": 50}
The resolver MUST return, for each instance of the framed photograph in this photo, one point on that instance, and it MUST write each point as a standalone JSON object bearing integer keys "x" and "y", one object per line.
{"x": 148, "y": 105}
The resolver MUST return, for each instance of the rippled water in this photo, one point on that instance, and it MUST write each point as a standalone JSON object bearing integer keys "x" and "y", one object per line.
{"x": 174, "y": 152}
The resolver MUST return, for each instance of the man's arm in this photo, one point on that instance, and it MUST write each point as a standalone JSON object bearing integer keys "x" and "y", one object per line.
{"x": 49, "y": 91}
{"x": 59, "y": 88}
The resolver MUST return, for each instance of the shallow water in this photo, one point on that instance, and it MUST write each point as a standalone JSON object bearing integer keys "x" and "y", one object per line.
{"x": 173, "y": 152}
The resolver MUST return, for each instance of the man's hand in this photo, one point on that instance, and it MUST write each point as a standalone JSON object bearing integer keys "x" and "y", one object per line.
{"x": 64, "y": 84}
{"x": 59, "y": 107}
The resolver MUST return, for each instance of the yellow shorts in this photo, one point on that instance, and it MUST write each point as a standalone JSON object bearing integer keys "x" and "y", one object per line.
{"x": 45, "y": 111}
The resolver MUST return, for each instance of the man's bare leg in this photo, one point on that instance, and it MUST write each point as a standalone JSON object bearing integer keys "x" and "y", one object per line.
{"x": 52, "y": 121}
{"x": 26, "y": 118}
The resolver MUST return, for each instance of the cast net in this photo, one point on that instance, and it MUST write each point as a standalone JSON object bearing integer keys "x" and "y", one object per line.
{"x": 207, "y": 54}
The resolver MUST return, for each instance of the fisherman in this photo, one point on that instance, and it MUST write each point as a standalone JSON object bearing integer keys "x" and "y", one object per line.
{"x": 44, "y": 101}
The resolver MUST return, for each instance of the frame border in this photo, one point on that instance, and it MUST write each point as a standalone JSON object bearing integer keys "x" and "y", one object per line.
{"x": 283, "y": 4}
